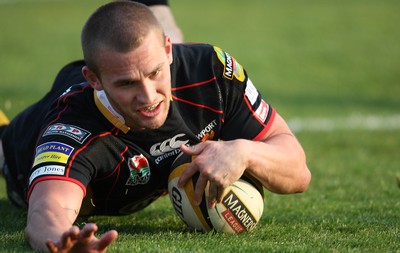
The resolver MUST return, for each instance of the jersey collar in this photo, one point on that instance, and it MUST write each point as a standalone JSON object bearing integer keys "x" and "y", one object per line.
{"x": 108, "y": 111}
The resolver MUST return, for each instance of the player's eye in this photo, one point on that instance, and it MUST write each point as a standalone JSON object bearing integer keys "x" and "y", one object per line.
{"x": 126, "y": 83}
{"x": 155, "y": 73}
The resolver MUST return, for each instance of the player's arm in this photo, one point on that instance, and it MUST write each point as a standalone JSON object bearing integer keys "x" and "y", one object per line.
{"x": 53, "y": 208}
{"x": 276, "y": 159}
{"x": 166, "y": 18}
{"x": 164, "y": 15}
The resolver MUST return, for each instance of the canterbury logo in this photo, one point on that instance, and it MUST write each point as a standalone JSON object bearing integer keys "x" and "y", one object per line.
{"x": 167, "y": 145}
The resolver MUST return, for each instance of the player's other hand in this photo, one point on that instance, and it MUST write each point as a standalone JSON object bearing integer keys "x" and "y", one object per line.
{"x": 76, "y": 240}
{"x": 219, "y": 163}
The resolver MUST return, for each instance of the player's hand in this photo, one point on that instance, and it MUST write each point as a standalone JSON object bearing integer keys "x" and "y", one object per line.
{"x": 75, "y": 240}
{"x": 219, "y": 163}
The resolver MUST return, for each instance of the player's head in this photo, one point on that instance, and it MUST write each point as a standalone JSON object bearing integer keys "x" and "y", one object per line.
{"x": 128, "y": 57}
{"x": 119, "y": 26}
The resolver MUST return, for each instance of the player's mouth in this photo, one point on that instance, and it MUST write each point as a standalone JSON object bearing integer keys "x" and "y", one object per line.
{"x": 152, "y": 110}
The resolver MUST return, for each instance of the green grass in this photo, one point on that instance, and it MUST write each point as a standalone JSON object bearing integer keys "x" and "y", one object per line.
{"x": 309, "y": 59}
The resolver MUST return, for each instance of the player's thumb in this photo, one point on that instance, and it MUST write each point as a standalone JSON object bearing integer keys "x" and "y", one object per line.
{"x": 192, "y": 150}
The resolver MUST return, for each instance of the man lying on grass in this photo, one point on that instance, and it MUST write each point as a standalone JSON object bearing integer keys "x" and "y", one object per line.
{"x": 102, "y": 141}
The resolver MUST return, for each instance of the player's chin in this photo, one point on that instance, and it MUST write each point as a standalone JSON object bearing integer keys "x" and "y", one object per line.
{"x": 153, "y": 125}
{"x": 154, "y": 122}
{"x": 156, "y": 118}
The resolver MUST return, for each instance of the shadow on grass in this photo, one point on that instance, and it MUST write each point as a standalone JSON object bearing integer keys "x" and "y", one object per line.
{"x": 147, "y": 221}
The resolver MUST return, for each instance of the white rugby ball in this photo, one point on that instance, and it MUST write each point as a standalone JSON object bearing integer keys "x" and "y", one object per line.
{"x": 240, "y": 210}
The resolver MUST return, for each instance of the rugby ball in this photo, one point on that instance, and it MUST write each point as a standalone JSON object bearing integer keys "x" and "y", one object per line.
{"x": 240, "y": 210}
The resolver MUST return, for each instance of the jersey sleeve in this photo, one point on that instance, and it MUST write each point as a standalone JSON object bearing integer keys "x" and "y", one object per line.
{"x": 65, "y": 142}
{"x": 246, "y": 114}
{"x": 57, "y": 157}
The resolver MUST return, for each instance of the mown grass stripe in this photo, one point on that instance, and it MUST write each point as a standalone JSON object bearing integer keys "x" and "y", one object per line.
{"x": 353, "y": 122}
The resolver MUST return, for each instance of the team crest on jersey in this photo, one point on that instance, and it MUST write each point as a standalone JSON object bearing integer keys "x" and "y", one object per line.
{"x": 231, "y": 67}
{"x": 139, "y": 170}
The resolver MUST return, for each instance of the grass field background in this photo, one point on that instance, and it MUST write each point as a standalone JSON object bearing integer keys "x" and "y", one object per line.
{"x": 331, "y": 60}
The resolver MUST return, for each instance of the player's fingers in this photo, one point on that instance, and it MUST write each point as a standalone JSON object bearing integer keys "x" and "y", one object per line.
{"x": 212, "y": 195}
{"x": 52, "y": 247}
{"x": 73, "y": 232}
{"x": 68, "y": 238}
{"x": 199, "y": 189}
{"x": 192, "y": 168}
{"x": 192, "y": 150}
{"x": 87, "y": 232}
{"x": 107, "y": 239}
{"x": 187, "y": 174}
{"x": 223, "y": 188}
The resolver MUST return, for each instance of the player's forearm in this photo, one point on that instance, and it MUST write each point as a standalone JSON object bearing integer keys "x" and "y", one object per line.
{"x": 45, "y": 223}
{"x": 280, "y": 164}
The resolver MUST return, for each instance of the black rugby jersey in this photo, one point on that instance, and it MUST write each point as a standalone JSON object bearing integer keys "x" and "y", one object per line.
{"x": 122, "y": 170}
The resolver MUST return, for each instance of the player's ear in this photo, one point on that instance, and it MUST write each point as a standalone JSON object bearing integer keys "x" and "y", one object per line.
{"x": 92, "y": 78}
{"x": 168, "y": 48}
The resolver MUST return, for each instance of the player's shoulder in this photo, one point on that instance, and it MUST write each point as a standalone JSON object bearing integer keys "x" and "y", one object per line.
{"x": 194, "y": 57}
{"x": 187, "y": 49}
{"x": 198, "y": 53}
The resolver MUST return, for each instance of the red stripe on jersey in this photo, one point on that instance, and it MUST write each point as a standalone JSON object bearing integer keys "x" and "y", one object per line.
{"x": 81, "y": 149}
{"x": 56, "y": 178}
{"x": 63, "y": 98}
{"x": 44, "y": 129}
{"x": 251, "y": 109}
{"x": 270, "y": 120}
{"x": 194, "y": 84}
{"x": 117, "y": 168}
{"x": 192, "y": 103}
{"x": 267, "y": 126}
{"x": 197, "y": 105}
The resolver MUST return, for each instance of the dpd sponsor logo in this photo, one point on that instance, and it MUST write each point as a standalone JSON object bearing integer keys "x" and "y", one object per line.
{"x": 76, "y": 133}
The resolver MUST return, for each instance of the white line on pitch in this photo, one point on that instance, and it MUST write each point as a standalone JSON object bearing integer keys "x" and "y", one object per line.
{"x": 352, "y": 122}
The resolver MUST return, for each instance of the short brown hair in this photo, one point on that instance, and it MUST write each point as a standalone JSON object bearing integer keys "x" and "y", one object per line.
{"x": 120, "y": 26}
